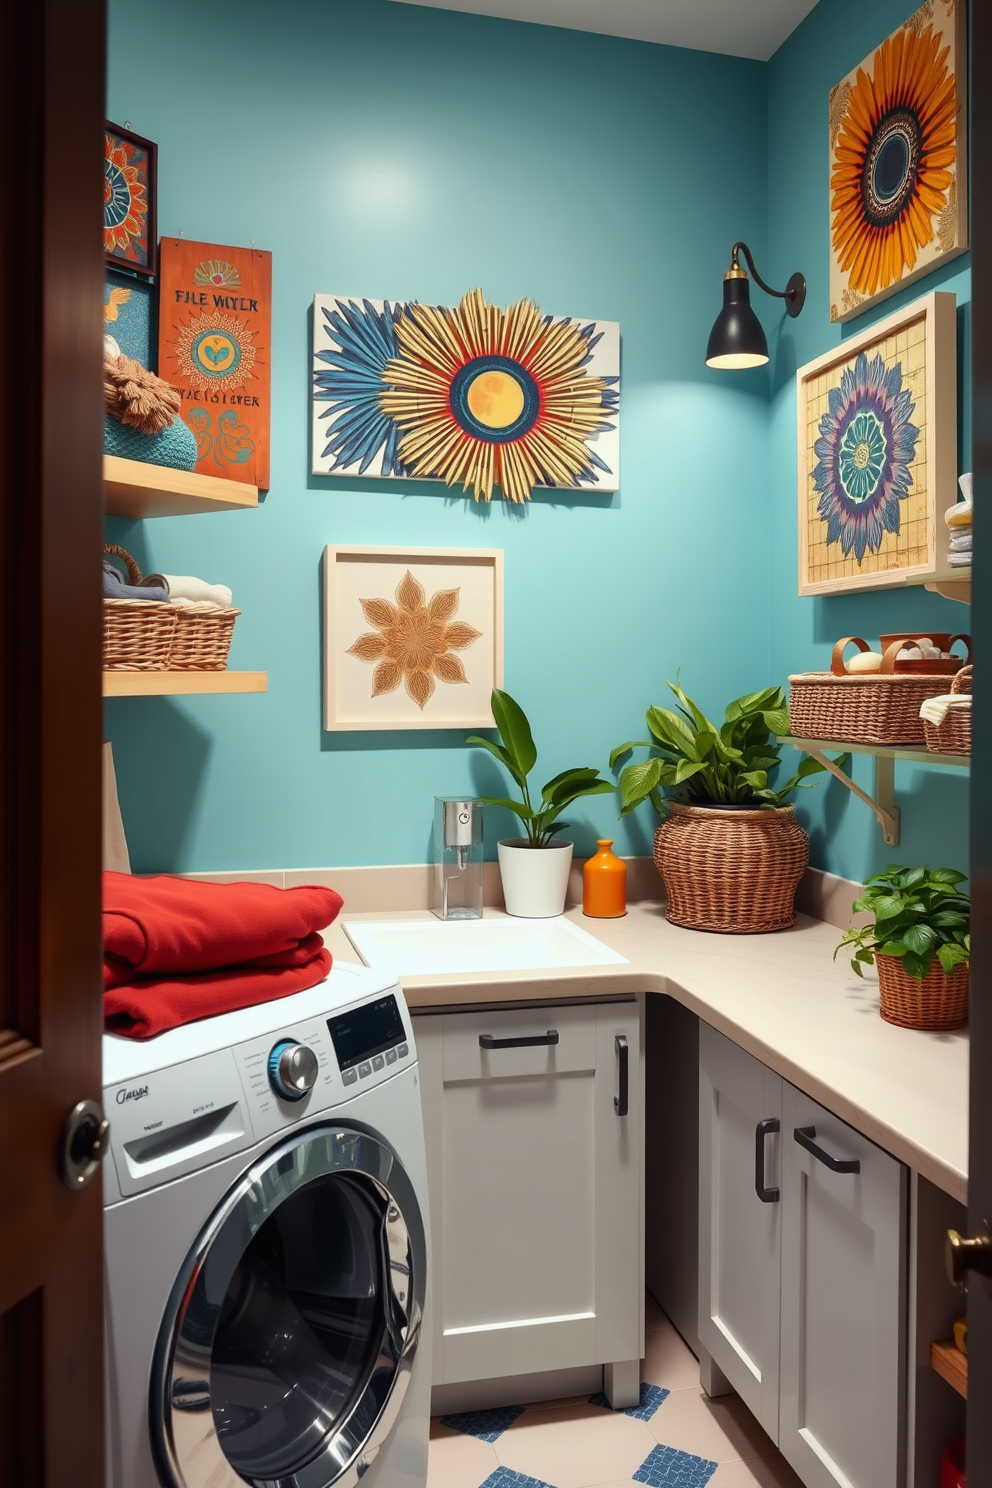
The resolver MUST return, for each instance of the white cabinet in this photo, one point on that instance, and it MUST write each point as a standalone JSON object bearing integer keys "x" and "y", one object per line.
{"x": 740, "y": 1221}
{"x": 534, "y": 1121}
{"x": 802, "y": 1265}
{"x": 843, "y": 1302}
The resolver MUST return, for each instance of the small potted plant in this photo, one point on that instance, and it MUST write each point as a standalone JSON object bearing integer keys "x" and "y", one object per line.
{"x": 920, "y": 940}
{"x": 728, "y": 848}
{"x": 534, "y": 868}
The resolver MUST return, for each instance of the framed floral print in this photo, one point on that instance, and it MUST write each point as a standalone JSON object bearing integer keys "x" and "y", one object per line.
{"x": 129, "y": 187}
{"x": 898, "y": 160}
{"x": 878, "y": 454}
{"x": 413, "y": 637}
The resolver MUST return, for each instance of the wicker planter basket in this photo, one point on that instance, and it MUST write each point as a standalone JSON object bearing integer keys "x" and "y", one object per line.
{"x": 953, "y": 736}
{"x": 937, "y": 1003}
{"x": 732, "y": 871}
{"x": 137, "y": 633}
{"x": 202, "y": 638}
{"x": 864, "y": 708}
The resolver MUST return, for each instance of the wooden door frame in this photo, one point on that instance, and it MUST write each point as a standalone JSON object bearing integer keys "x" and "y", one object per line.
{"x": 52, "y": 83}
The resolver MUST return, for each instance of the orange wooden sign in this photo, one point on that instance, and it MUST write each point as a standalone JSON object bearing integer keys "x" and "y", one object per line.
{"x": 214, "y": 338}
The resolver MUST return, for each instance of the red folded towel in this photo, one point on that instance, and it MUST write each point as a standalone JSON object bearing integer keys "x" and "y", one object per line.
{"x": 146, "y": 1008}
{"x": 176, "y": 949}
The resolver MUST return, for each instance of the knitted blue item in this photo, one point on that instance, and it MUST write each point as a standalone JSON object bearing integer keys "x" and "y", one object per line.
{"x": 174, "y": 446}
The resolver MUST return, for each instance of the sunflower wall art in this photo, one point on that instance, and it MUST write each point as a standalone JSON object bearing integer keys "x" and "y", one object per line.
{"x": 475, "y": 396}
{"x": 878, "y": 453}
{"x": 413, "y": 637}
{"x": 129, "y": 186}
{"x": 898, "y": 167}
{"x": 215, "y": 331}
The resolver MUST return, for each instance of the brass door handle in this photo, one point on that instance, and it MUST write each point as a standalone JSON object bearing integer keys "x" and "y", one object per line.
{"x": 965, "y": 1253}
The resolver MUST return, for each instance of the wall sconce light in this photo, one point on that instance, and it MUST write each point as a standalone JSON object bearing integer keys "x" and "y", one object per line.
{"x": 737, "y": 339}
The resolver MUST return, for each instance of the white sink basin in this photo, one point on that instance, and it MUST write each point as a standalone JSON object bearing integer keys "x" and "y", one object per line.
{"x": 425, "y": 947}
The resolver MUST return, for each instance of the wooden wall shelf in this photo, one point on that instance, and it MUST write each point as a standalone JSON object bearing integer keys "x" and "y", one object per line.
{"x": 951, "y": 1364}
{"x": 135, "y": 489}
{"x": 181, "y": 684}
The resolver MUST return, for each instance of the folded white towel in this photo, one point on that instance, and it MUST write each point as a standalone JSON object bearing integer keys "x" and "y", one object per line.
{"x": 959, "y": 560}
{"x": 961, "y": 542}
{"x": 936, "y": 709}
{"x": 185, "y": 586}
{"x": 199, "y": 605}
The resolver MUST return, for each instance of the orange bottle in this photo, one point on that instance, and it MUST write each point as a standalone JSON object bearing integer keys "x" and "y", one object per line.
{"x": 604, "y": 884}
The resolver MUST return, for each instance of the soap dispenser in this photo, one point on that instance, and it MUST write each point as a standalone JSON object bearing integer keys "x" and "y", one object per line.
{"x": 457, "y": 890}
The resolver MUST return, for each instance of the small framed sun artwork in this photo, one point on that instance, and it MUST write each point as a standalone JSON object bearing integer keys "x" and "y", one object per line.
{"x": 506, "y": 400}
{"x": 898, "y": 166}
{"x": 413, "y": 637}
{"x": 878, "y": 454}
{"x": 129, "y": 190}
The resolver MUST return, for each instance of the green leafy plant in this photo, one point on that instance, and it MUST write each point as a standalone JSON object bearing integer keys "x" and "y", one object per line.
{"x": 703, "y": 764}
{"x": 918, "y": 913}
{"x": 518, "y": 753}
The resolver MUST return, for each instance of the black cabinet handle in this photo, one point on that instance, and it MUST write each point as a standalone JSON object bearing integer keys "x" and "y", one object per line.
{"x": 804, "y": 1135}
{"x": 486, "y": 1041}
{"x": 761, "y": 1131}
{"x": 621, "y": 1100}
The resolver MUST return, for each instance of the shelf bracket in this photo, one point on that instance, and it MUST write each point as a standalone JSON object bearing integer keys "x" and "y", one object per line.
{"x": 882, "y": 804}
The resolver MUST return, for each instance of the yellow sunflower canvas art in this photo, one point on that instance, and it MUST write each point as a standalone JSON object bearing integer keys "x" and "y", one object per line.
{"x": 898, "y": 172}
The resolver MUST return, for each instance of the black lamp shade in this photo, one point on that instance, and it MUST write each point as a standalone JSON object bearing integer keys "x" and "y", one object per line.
{"x": 736, "y": 339}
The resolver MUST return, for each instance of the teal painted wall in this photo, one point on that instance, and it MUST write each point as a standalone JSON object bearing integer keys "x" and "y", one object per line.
{"x": 397, "y": 152}
{"x": 934, "y": 802}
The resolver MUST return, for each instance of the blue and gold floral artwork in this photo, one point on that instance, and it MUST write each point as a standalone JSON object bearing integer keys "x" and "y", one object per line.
{"x": 477, "y": 396}
{"x": 129, "y": 316}
{"x": 877, "y": 454}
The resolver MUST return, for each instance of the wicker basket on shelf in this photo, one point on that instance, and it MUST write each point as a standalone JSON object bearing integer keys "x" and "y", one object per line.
{"x": 864, "y": 708}
{"x": 202, "y": 638}
{"x": 953, "y": 736}
{"x": 732, "y": 871}
{"x": 137, "y": 633}
{"x": 937, "y": 1003}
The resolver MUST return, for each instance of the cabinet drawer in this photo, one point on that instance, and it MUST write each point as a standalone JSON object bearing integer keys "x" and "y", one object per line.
{"x": 573, "y": 1050}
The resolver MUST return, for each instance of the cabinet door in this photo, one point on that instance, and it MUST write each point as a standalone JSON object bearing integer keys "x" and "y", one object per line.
{"x": 536, "y": 1191}
{"x": 740, "y": 1110}
{"x": 843, "y": 1291}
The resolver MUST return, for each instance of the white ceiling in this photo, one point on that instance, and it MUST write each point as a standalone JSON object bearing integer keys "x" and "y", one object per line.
{"x": 740, "y": 28}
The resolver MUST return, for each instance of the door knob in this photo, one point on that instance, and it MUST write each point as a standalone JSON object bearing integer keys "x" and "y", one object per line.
{"x": 964, "y": 1253}
{"x": 84, "y": 1144}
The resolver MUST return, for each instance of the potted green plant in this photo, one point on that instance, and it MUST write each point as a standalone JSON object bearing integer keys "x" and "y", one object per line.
{"x": 534, "y": 868}
{"x": 919, "y": 938}
{"x": 728, "y": 848}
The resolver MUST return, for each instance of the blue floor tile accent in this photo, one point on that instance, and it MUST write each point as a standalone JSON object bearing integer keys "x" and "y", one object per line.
{"x": 505, "y": 1477}
{"x": 651, "y": 1397}
{"x": 666, "y": 1467}
{"x": 488, "y": 1426}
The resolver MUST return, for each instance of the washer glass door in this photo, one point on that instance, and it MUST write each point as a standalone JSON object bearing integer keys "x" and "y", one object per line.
{"x": 296, "y": 1319}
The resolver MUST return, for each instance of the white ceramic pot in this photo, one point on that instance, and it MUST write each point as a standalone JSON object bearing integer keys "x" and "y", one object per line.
{"x": 535, "y": 879}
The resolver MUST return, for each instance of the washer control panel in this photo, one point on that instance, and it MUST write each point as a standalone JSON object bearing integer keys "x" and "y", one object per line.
{"x": 293, "y": 1069}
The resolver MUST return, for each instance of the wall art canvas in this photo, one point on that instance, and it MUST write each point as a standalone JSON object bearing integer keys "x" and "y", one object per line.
{"x": 413, "y": 637}
{"x": 473, "y": 395}
{"x": 878, "y": 454}
{"x": 898, "y": 166}
{"x": 214, "y": 345}
{"x": 129, "y": 316}
{"x": 129, "y": 187}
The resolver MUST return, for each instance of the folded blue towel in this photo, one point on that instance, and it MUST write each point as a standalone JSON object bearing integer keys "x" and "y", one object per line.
{"x": 114, "y": 587}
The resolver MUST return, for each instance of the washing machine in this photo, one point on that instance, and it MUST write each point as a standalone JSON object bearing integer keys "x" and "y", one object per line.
{"x": 267, "y": 1247}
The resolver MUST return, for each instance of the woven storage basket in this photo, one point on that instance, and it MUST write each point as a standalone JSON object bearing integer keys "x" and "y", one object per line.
{"x": 137, "y": 633}
{"x": 731, "y": 871}
{"x": 866, "y": 708}
{"x": 938, "y": 1002}
{"x": 953, "y": 736}
{"x": 202, "y": 638}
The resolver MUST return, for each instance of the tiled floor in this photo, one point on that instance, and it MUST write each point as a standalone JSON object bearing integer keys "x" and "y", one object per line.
{"x": 677, "y": 1438}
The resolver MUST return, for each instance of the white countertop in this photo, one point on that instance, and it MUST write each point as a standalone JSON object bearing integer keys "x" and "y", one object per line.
{"x": 782, "y": 998}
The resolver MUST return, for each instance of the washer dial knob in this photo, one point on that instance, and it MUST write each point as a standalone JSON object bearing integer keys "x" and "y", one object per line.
{"x": 292, "y": 1069}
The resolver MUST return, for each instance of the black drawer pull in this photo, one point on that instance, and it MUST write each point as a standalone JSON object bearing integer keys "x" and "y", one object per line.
{"x": 804, "y": 1135}
{"x": 539, "y": 1040}
{"x": 621, "y": 1101}
{"x": 764, "y": 1129}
